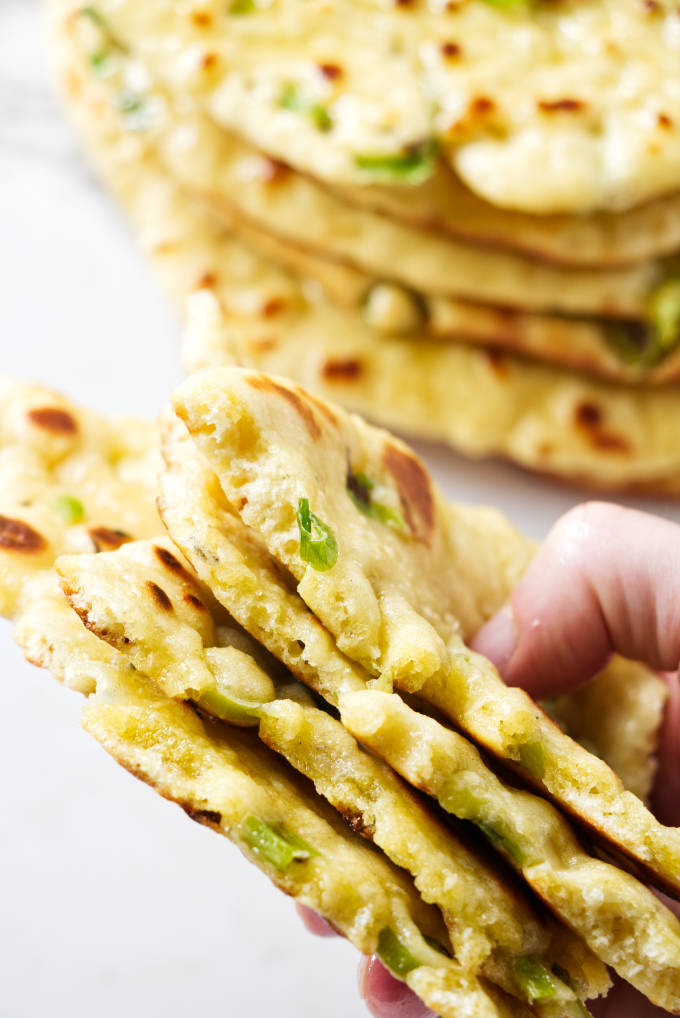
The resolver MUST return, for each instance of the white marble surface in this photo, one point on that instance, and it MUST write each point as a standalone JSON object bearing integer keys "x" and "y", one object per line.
{"x": 111, "y": 903}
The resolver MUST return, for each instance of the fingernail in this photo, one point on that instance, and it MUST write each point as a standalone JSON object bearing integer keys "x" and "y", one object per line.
{"x": 497, "y": 639}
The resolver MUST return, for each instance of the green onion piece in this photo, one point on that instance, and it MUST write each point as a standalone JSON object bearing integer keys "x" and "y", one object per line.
{"x": 664, "y": 310}
{"x": 414, "y": 165}
{"x": 70, "y": 509}
{"x": 436, "y": 946}
{"x": 129, "y": 102}
{"x": 275, "y": 843}
{"x": 462, "y": 802}
{"x": 228, "y": 708}
{"x": 534, "y": 979}
{"x": 467, "y": 806}
{"x": 317, "y": 543}
{"x": 95, "y": 17}
{"x": 291, "y": 99}
{"x": 397, "y": 958}
{"x": 633, "y": 342}
{"x": 359, "y": 488}
{"x": 646, "y": 345}
{"x": 103, "y": 62}
{"x": 502, "y": 840}
{"x": 532, "y": 758}
{"x": 242, "y": 7}
{"x": 100, "y": 22}
{"x": 99, "y": 59}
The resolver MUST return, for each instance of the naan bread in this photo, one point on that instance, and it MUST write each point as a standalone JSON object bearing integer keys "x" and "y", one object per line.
{"x": 625, "y": 351}
{"x": 617, "y": 716}
{"x": 370, "y": 264}
{"x": 233, "y": 563}
{"x": 136, "y": 599}
{"x": 547, "y": 420}
{"x": 590, "y": 896}
{"x": 229, "y": 172}
{"x": 106, "y": 469}
{"x": 443, "y": 203}
{"x": 623, "y": 922}
{"x": 224, "y": 778}
{"x": 143, "y": 730}
{"x": 71, "y": 480}
{"x": 300, "y": 471}
{"x": 578, "y": 115}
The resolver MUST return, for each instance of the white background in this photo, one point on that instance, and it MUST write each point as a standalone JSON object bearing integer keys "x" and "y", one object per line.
{"x": 111, "y": 902}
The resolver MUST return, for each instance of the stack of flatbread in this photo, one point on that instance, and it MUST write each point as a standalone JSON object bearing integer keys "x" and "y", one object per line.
{"x": 460, "y": 218}
{"x": 288, "y": 663}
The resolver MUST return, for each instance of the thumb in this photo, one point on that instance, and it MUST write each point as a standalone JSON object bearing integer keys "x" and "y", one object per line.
{"x": 606, "y": 579}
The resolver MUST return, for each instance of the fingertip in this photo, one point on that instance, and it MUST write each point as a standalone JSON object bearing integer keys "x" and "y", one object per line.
{"x": 497, "y": 639}
{"x": 385, "y": 996}
{"x": 315, "y": 923}
{"x": 666, "y": 792}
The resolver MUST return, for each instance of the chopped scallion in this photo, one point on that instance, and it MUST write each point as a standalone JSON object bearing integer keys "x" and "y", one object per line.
{"x": 100, "y": 22}
{"x": 436, "y": 946}
{"x": 534, "y": 979}
{"x": 291, "y": 99}
{"x": 360, "y": 489}
{"x": 394, "y": 955}
{"x": 129, "y": 102}
{"x": 532, "y": 758}
{"x": 318, "y": 546}
{"x": 102, "y": 61}
{"x": 95, "y": 17}
{"x": 275, "y": 843}
{"x": 228, "y": 708}
{"x": 70, "y": 508}
{"x": 504, "y": 842}
{"x": 664, "y": 311}
{"x": 413, "y": 165}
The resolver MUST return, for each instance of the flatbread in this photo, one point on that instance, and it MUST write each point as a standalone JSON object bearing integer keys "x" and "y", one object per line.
{"x": 546, "y": 129}
{"x": 625, "y": 351}
{"x": 370, "y": 263}
{"x": 394, "y": 597}
{"x": 482, "y": 404}
{"x": 222, "y": 776}
{"x": 136, "y": 600}
{"x": 617, "y": 916}
{"x": 222, "y": 780}
{"x": 293, "y": 207}
{"x": 71, "y": 480}
{"x": 443, "y": 203}
{"x": 109, "y": 466}
{"x": 617, "y": 714}
{"x": 52, "y": 636}
{"x": 589, "y": 895}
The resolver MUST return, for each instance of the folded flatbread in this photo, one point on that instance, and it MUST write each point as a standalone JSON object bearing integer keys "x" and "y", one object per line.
{"x": 188, "y": 646}
{"x": 395, "y": 601}
{"x": 145, "y": 603}
{"x": 75, "y": 481}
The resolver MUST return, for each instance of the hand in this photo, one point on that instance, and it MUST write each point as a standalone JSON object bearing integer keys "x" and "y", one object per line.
{"x": 606, "y": 579}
